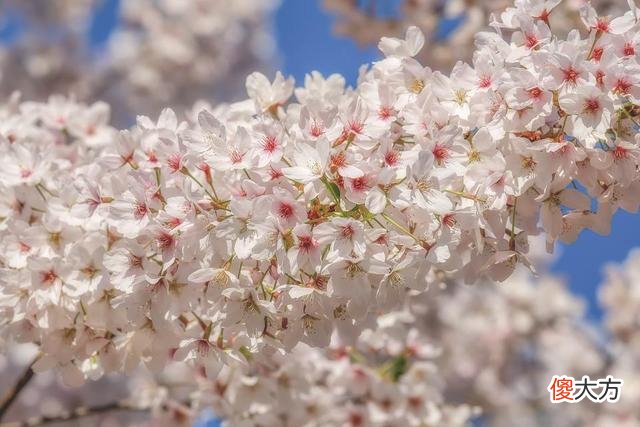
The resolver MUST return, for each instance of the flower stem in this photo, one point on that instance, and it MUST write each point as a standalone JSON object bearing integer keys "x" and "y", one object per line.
{"x": 400, "y": 227}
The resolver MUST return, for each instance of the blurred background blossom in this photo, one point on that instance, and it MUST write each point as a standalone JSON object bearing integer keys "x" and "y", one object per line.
{"x": 138, "y": 56}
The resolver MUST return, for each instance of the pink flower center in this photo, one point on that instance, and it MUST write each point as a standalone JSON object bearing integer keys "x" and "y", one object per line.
{"x": 165, "y": 240}
{"x": 275, "y": 174}
{"x": 140, "y": 210}
{"x": 591, "y": 105}
{"x": 535, "y": 92}
{"x": 151, "y": 156}
{"x": 360, "y": 183}
{"x": 338, "y": 160}
{"x": 356, "y": 127}
{"x": 347, "y": 231}
{"x": 449, "y": 220}
{"x": 270, "y": 144}
{"x": 306, "y": 243}
{"x": 622, "y": 86}
{"x": 571, "y": 75}
{"x": 596, "y": 55}
{"x": 484, "y": 82}
{"x": 135, "y": 261}
{"x": 316, "y": 130}
{"x": 48, "y": 277}
{"x": 629, "y": 49}
{"x": 531, "y": 41}
{"x": 384, "y": 113}
{"x": 236, "y": 157}
{"x": 440, "y": 152}
{"x": 285, "y": 210}
{"x": 620, "y": 153}
{"x": 391, "y": 158}
{"x": 602, "y": 25}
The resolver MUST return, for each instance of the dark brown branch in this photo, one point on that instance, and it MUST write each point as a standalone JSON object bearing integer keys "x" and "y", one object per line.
{"x": 12, "y": 394}
{"x": 81, "y": 412}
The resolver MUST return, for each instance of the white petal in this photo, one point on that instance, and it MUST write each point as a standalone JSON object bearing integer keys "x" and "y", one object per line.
{"x": 376, "y": 201}
{"x": 414, "y": 40}
{"x": 575, "y": 199}
{"x": 203, "y": 275}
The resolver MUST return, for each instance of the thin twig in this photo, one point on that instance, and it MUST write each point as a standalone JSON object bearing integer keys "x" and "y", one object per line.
{"x": 81, "y": 412}
{"x": 12, "y": 394}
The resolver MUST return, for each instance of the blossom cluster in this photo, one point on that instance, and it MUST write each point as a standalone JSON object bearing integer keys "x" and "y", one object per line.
{"x": 450, "y": 26}
{"x": 388, "y": 378}
{"x": 620, "y": 295}
{"x": 409, "y": 368}
{"x": 492, "y": 347}
{"x": 269, "y": 222}
{"x": 176, "y": 53}
{"x": 620, "y": 299}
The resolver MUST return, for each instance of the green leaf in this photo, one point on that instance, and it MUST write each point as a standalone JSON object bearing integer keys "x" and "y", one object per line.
{"x": 398, "y": 368}
{"x": 246, "y": 353}
{"x": 333, "y": 189}
{"x": 351, "y": 213}
{"x": 395, "y": 368}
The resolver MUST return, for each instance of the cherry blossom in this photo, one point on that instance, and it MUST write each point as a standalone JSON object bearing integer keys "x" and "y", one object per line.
{"x": 298, "y": 215}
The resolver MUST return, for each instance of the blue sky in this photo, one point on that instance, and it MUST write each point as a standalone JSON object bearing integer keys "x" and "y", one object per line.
{"x": 305, "y": 41}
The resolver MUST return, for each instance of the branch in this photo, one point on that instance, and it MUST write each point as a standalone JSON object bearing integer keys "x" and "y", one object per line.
{"x": 81, "y": 412}
{"x": 12, "y": 394}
